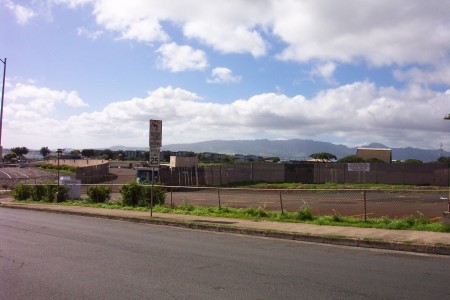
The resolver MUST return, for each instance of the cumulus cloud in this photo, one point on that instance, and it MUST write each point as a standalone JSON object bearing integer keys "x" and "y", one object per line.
{"x": 382, "y": 32}
{"x": 22, "y": 13}
{"x": 223, "y": 75}
{"x": 177, "y": 58}
{"x": 349, "y": 113}
{"x": 41, "y": 100}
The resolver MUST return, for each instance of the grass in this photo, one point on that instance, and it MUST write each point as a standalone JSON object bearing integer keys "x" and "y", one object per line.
{"x": 303, "y": 215}
{"x": 327, "y": 185}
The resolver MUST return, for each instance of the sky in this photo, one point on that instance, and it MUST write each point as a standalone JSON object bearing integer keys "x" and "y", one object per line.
{"x": 92, "y": 73}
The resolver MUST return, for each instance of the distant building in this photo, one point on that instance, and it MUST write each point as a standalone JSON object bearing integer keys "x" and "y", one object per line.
{"x": 183, "y": 161}
{"x": 135, "y": 154}
{"x": 383, "y": 154}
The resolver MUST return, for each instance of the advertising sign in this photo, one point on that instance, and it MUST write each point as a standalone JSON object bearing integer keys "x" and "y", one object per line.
{"x": 359, "y": 167}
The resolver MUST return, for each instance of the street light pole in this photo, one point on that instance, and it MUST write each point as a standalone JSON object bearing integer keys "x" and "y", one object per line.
{"x": 1, "y": 111}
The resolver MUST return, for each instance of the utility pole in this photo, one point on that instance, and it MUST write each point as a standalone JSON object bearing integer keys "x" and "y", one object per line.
{"x": 1, "y": 111}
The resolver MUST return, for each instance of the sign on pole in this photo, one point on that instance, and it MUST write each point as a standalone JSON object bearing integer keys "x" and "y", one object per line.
{"x": 155, "y": 133}
{"x": 153, "y": 159}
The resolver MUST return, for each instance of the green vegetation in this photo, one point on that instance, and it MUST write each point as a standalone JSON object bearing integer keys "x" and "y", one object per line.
{"x": 324, "y": 186}
{"x": 98, "y": 194}
{"x": 64, "y": 168}
{"x": 137, "y": 197}
{"x": 323, "y": 156}
{"x": 45, "y": 193}
{"x": 134, "y": 194}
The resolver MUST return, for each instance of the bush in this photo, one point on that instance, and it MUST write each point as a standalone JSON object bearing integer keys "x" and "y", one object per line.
{"x": 22, "y": 192}
{"x": 60, "y": 193}
{"x": 304, "y": 213}
{"x": 134, "y": 194}
{"x": 131, "y": 193}
{"x": 98, "y": 194}
{"x": 39, "y": 192}
{"x": 159, "y": 196}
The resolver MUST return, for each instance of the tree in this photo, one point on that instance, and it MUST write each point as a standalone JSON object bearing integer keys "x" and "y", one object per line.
{"x": 107, "y": 154}
{"x": 444, "y": 159}
{"x": 45, "y": 152}
{"x": 120, "y": 155}
{"x": 11, "y": 156}
{"x": 413, "y": 161}
{"x": 351, "y": 159}
{"x": 75, "y": 152}
{"x": 323, "y": 156}
{"x": 88, "y": 152}
{"x": 20, "y": 151}
{"x": 374, "y": 160}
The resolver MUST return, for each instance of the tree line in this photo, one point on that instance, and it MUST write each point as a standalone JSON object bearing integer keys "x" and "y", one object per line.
{"x": 18, "y": 153}
{"x": 329, "y": 157}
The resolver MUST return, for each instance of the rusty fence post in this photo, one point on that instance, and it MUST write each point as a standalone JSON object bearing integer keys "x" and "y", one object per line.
{"x": 218, "y": 195}
{"x": 281, "y": 204}
{"x": 365, "y": 205}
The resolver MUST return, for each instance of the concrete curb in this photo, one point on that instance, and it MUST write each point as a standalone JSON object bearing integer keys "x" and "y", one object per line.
{"x": 312, "y": 238}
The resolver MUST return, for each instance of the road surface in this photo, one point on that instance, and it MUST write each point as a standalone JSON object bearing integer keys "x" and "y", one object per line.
{"x": 52, "y": 256}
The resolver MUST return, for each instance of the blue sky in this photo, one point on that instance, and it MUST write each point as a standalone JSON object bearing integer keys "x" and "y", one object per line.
{"x": 91, "y": 73}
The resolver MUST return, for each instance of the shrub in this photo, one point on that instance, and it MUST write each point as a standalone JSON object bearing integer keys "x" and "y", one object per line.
{"x": 39, "y": 192}
{"x": 131, "y": 193}
{"x": 60, "y": 193}
{"x": 159, "y": 196}
{"x": 304, "y": 213}
{"x": 256, "y": 212}
{"x": 98, "y": 194}
{"x": 22, "y": 192}
{"x": 134, "y": 194}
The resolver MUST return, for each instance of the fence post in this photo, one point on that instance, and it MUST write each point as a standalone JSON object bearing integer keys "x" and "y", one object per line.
{"x": 365, "y": 205}
{"x": 281, "y": 203}
{"x": 218, "y": 195}
{"x": 171, "y": 202}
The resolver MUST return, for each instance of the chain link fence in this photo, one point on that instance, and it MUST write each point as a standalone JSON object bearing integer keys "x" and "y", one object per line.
{"x": 371, "y": 203}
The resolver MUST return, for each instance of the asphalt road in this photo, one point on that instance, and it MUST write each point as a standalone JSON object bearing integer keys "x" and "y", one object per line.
{"x": 52, "y": 256}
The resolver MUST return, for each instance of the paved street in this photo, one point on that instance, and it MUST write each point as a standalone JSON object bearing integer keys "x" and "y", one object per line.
{"x": 53, "y": 256}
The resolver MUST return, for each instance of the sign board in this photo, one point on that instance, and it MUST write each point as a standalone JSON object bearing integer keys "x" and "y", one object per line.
{"x": 153, "y": 159}
{"x": 155, "y": 136}
{"x": 359, "y": 167}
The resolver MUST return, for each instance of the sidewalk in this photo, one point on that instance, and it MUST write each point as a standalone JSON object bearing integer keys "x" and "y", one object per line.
{"x": 400, "y": 240}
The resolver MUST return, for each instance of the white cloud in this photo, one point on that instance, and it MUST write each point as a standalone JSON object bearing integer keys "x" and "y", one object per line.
{"x": 23, "y": 14}
{"x": 223, "y": 75}
{"x": 325, "y": 70}
{"x": 90, "y": 34}
{"x": 438, "y": 75}
{"x": 177, "y": 58}
{"x": 382, "y": 32}
{"x": 354, "y": 114}
{"x": 26, "y": 97}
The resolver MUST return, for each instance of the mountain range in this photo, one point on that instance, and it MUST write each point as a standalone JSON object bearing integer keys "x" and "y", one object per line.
{"x": 295, "y": 149}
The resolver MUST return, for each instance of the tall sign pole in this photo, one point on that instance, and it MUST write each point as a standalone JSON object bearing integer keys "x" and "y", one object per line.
{"x": 1, "y": 112}
{"x": 155, "y": 141}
